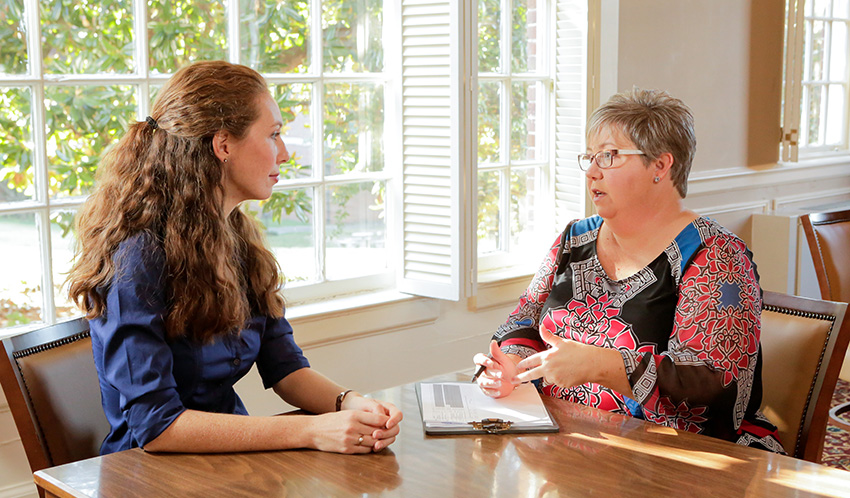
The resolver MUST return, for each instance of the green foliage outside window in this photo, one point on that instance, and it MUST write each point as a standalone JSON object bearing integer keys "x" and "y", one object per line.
{"x": 97, "y": 37}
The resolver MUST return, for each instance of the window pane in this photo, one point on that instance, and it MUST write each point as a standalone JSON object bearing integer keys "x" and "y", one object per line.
{"x": 288, "y": 218}
{"x": 87, "y": 36}
{"x": 838, "y": 52}
{"x": 16, "y": 167}
{"x": 813, "y": 99}
{"x": 295, "y": 105}
{"x": 526, "y": 52}
{"x": 525, "y": 126}
{"x": 489, "y": 15}
{"x": 834, "y": 115}
{"x": 353, "y": 127}
{"x": 817, "y": 40}
{"x": 62, "y": 240}
{"x": 275, "y": 35}
{"x": 351, "y": 32}
{"x": 182, "y": 32}
{"x": 355, "y": 228}
{"x": 489, "y": 186}
{"x": 13, "y": 50}
{"x": 20, "y": 280}
{"x": 524, "y": 194}
{"x": 821, "y": 8}
{"x": 81, "y": 122}
{"x": 489, "y": 104}
{"x": 841, "y": 8}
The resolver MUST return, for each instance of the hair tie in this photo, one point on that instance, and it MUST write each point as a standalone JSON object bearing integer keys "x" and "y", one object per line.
{"x": 152, "y": 122}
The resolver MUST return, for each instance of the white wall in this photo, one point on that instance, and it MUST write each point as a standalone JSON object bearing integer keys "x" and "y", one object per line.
{"x": 721, "y": 57}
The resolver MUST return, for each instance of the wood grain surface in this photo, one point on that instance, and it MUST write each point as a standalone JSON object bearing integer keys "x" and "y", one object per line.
{"x": 596, "y": 453}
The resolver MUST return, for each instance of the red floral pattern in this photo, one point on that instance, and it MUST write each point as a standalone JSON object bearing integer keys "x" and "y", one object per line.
{"x": 714, "y": 337}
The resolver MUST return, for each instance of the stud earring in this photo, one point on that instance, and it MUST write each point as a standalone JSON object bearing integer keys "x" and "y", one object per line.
{"x": 656, "y": 179}
{"x": 225, "y": 160}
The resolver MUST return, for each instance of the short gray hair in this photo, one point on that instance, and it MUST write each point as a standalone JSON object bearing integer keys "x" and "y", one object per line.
{"x": 655, "y": 122}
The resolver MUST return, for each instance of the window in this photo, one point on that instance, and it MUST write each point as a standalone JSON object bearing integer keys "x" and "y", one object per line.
{"x": 817, "y": 79}
{"x": 514, "y": 87}
{"x": 379, "y": 99}
{"x": 73, "y": 75}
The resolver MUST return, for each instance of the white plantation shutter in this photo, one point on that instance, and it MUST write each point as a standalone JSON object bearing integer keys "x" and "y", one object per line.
{"x": 570, "y": 108}
{"x": 432, "y": 262}
{"x": 794, "y": 35}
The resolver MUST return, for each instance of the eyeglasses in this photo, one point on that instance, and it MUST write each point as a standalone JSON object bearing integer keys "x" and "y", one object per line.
{"x": 605, "y": 158}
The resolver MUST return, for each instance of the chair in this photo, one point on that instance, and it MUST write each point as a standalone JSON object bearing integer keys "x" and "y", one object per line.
{"x": 53, "y": 393}
{"x": 803, "y": 344}
{"x": 828, "y": 235}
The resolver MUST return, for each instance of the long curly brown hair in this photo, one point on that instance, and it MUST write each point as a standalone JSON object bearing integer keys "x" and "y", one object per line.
{"x": 166, "y": 181}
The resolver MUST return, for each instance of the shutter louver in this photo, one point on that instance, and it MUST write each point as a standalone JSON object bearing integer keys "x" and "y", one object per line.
{"x": 431, "y": 252}
{"x": 570, "y": 108}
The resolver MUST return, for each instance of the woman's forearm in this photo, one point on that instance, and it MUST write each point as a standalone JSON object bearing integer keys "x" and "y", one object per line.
{"x": 202, "y": 432}
{"x": 309, "y": 390}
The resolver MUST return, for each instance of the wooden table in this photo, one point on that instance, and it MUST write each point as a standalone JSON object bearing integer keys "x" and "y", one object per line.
{"x": 596, "y": 452}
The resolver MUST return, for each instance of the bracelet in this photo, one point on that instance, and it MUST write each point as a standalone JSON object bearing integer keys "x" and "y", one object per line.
{"x": 340, "y": 397}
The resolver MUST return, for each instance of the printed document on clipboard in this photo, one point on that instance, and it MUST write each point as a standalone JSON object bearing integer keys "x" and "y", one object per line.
{"x": 461, "y": 408}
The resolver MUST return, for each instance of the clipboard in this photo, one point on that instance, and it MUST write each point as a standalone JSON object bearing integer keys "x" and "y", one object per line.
{"x": 455, "y": 408}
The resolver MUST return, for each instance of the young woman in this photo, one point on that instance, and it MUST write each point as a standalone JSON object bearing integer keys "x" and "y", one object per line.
{"x": 181, "y": 292}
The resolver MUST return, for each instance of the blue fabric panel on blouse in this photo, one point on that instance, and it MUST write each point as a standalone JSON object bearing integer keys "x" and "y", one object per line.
{"x": 634, "y": 407}
{"x": 689, "y": 241}
{"x": 585, "y": 225}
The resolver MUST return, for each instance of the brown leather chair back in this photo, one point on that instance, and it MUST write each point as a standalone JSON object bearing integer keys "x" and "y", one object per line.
{"x": 828, "y": 235}
{"x": 51, "y": 385}
{"x": 803, "y": 343}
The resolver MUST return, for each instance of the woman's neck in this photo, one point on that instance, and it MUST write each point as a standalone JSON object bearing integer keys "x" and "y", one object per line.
{"x": 628, "y": 243}
{"x": 656, "y": 217}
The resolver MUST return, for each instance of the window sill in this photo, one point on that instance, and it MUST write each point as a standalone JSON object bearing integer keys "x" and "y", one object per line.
{"x": 500, "y": 287}
{"x": 321, "y": 323}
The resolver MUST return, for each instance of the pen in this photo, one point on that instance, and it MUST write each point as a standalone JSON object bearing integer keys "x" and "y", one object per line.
{"x": 479, "y": 371}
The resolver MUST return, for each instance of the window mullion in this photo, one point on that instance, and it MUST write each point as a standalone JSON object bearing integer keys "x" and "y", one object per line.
{"x": 233, "y": 44}
{"x": 505, "y": 124}
{"x": 319, "y": 230}
{"x": 42, "y": 192}
{"x": 140, "y": 10}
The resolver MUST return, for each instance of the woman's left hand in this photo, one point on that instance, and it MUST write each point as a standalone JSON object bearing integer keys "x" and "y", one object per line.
{"x": 384, "y": 436}
{"x": 565, "y": 362}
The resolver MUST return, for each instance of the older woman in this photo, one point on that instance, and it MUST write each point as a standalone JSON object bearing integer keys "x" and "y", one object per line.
{"x": 647, "y": 308}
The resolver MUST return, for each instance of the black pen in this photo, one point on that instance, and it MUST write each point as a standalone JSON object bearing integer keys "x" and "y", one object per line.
{"x": 480, "y": 370}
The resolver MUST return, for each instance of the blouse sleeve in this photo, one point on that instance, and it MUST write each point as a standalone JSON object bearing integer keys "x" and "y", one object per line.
{"x": 519, "y": 334}
{"x": 134, "y": 357}
{"x": 702, "y": 383}
{"x": 279, "y": 355}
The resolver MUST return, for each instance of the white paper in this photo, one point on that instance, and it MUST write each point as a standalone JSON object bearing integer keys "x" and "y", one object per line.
{"x": 448, "y": 404}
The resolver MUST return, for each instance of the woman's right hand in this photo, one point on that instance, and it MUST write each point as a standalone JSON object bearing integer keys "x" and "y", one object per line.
{"x": 350, "y": 431}
{"x": 495, "y": 380}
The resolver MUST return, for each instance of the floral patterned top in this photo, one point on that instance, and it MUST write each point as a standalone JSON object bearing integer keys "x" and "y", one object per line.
{"x": 687, "y": 326}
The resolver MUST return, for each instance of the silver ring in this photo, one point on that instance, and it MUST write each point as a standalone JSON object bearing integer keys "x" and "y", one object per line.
{"x": 360, "y": 440}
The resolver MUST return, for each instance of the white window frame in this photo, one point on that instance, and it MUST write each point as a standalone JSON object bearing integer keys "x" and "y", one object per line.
{"x": 794, "y": 113}
{"x": 430, "y": 157}
{"x": 507, "y": 257}
{"x": 42, "y": 205}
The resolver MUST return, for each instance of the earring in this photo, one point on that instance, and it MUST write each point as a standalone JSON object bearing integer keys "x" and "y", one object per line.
{"x": 225, "y": 160}
{"x": 654, "y": 180}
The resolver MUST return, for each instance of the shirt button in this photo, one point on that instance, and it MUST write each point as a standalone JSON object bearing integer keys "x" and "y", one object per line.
{"x": 236, "y": 362}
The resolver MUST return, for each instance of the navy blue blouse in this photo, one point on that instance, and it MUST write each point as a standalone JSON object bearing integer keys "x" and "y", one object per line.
{"x": 146, "y": 380}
